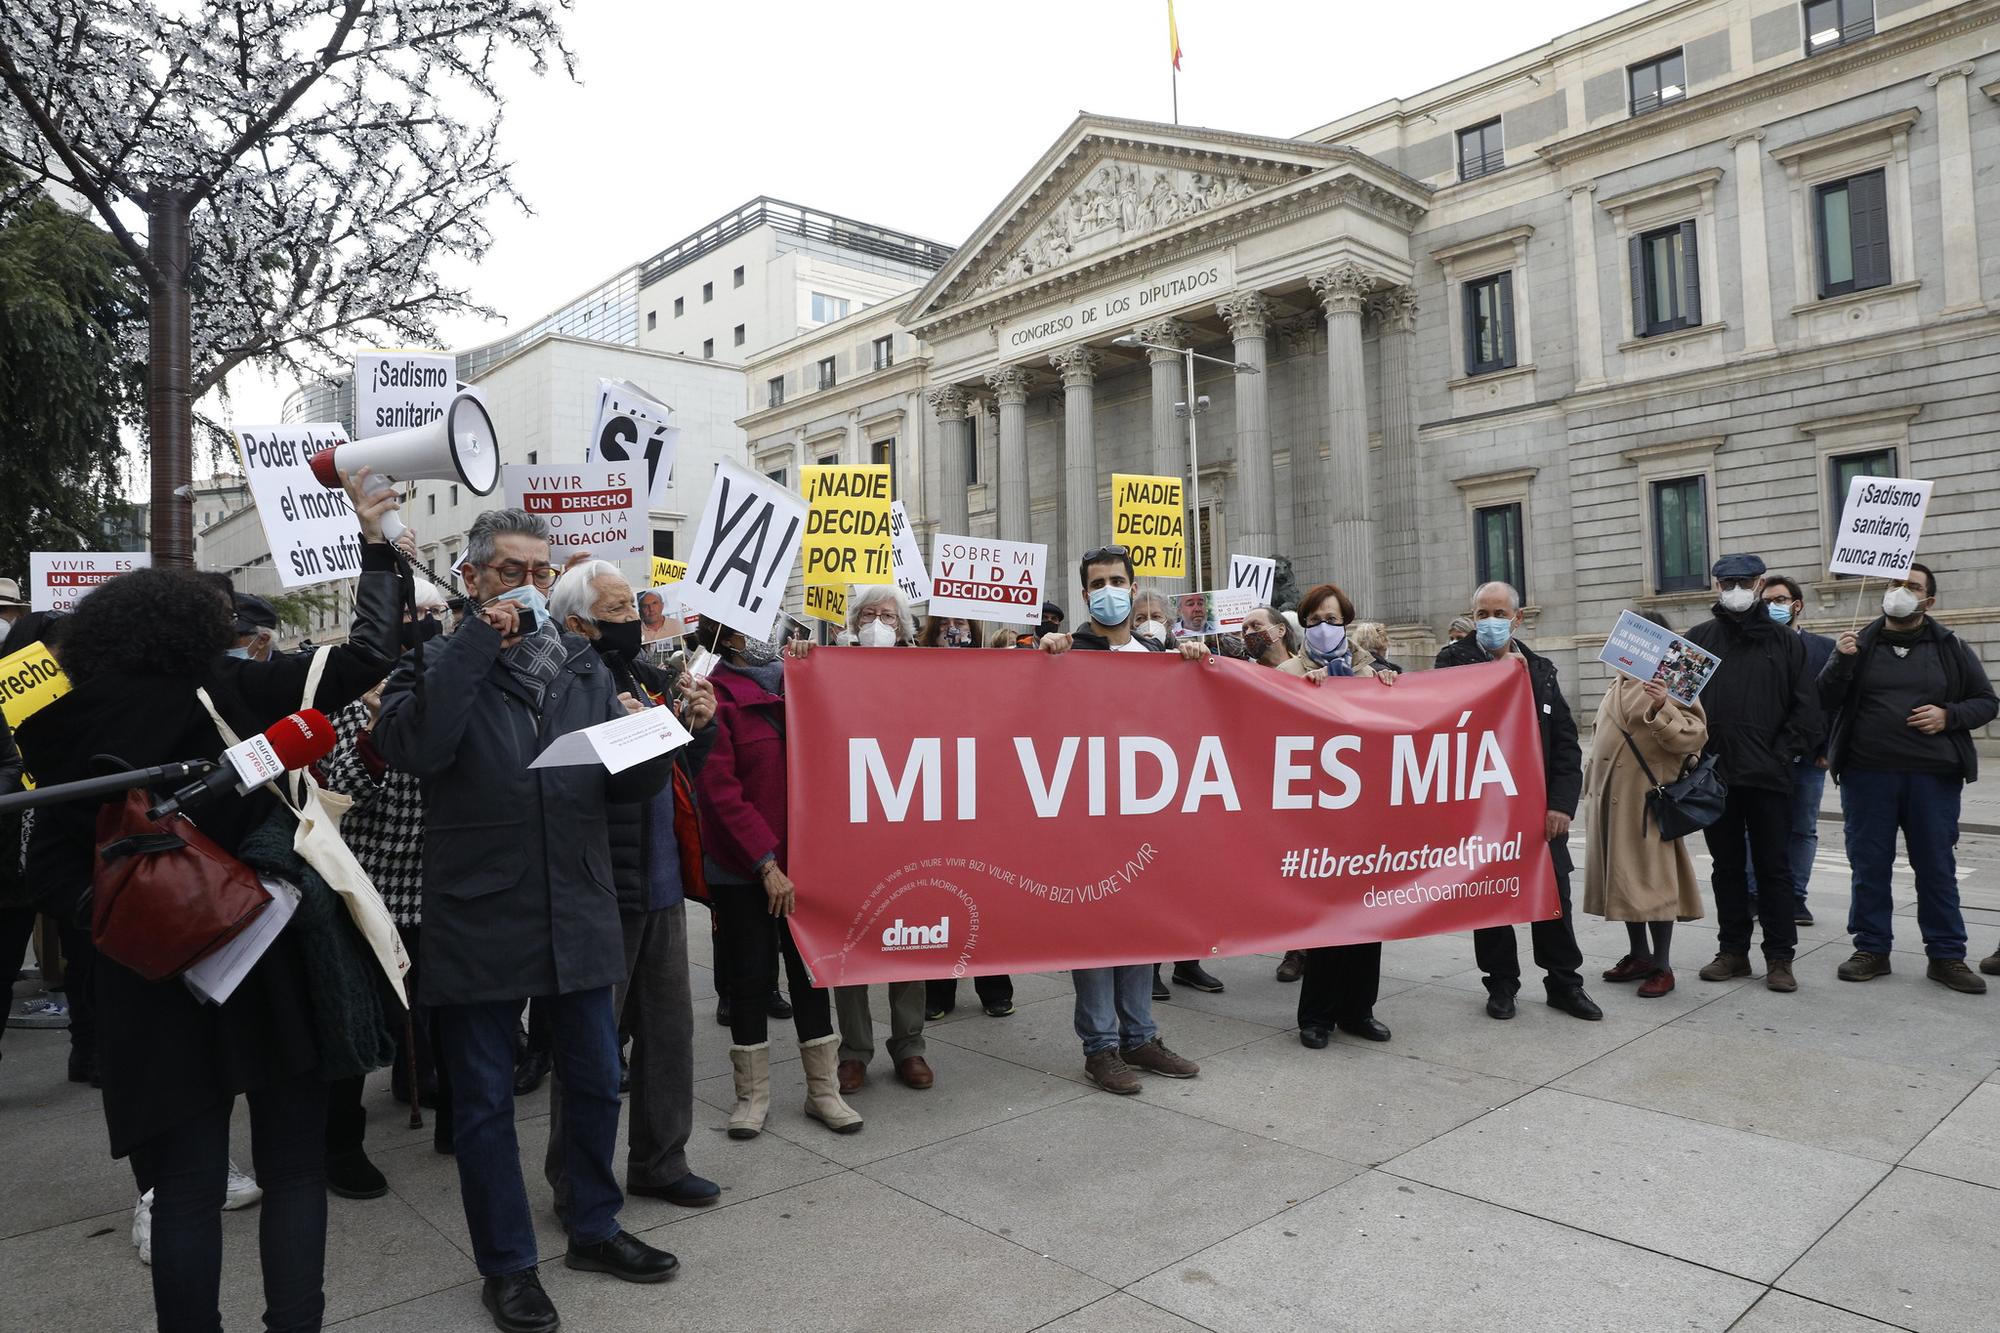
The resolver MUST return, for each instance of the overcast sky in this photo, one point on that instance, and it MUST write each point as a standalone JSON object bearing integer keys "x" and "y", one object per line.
{"x": 917, "y": 116}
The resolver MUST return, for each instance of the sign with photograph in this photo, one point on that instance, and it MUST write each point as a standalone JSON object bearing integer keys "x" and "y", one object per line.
{"x": 1646, "y": 651}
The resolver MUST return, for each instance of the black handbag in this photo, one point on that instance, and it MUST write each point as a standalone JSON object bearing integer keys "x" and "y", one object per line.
{"x": 1688, "y": 804}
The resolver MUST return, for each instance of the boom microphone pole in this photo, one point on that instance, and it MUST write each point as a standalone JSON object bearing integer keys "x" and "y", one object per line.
{"x": 110, "y": 784}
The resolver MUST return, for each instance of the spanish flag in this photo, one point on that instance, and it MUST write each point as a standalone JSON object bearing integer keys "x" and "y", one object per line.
{"x": 1173, "y": 35}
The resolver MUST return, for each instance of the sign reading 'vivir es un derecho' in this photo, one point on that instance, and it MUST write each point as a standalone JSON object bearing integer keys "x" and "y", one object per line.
{"x": 1163, "y": 293}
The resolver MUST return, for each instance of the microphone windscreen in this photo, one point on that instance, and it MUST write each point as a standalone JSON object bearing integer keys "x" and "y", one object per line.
{"x": 303, "y": 738}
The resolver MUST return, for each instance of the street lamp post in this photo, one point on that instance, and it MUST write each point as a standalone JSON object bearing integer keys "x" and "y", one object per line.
{"x": 1190, "y": 409}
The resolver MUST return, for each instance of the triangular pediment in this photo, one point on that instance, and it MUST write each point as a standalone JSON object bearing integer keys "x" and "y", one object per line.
{"x": 1109, "y": 185}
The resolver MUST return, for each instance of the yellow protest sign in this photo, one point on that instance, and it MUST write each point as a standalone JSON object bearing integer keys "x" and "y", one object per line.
{"x": 30, "y": 681}
{"x": 1148, "y": 518}
{"x": 827, "y": 602}
{"x": 848, "y": 524}
{"x": 667, "y": 571}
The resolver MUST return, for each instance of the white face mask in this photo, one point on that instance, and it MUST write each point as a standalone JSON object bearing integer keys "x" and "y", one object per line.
{"x": 875, "y": 634}
{"x": 1154, "y": 630}
{"x": 1899, "y": 603}
{"x": 1738, "y": 599}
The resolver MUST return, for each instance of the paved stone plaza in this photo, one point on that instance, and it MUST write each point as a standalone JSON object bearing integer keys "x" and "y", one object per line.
{"x": 1724, "y": 1158}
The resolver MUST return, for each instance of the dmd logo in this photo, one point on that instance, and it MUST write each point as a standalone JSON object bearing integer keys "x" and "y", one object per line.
{"x": 902, "y": 938}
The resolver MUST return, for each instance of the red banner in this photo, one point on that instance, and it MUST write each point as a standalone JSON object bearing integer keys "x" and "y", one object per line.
{"x": 955, "y": 813}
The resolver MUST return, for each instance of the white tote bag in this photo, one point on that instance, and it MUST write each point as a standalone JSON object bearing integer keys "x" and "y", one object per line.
{"x": 319, "y": 845}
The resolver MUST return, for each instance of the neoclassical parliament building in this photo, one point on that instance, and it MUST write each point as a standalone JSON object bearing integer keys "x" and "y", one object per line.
{"x": 1583, "y": 321}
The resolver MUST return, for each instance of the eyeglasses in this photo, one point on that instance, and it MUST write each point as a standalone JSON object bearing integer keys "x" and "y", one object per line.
{"x": 1104, "y": 553}
{"x": 513, "y": 574}
{"x": 1728, "y": 584}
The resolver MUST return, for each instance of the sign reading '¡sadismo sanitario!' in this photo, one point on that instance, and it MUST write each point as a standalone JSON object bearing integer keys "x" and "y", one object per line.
{"x": 1160, "y": 294}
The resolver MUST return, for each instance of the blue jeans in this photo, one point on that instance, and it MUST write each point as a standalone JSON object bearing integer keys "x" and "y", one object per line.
{"x": 1114, "y": 1007}
{"x": 1924, "y": 806}
{"x": 479, "y": 1051}
{"x": 1808, "y": 785}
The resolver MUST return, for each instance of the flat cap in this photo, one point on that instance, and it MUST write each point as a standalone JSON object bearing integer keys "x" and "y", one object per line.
{"x": 1739, "y": 567}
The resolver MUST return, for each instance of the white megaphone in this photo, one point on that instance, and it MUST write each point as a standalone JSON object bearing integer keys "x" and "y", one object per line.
{"x": 459, "y": 446}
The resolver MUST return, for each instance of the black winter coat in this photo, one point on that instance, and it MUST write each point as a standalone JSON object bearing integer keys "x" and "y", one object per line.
{"x": 164, "y": 1056}
{"x": 518, "y": 892}
{"x": 1762, "y": 703}
{"x": 1562, "y": 756}
{"x": 1969, "y": 702}
{"x": 630, "y": 823}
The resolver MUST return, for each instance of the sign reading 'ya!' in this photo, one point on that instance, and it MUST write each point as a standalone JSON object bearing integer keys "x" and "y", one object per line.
{"x": 1160, "y": 294}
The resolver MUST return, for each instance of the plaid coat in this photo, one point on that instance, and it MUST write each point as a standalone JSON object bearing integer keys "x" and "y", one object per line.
{"x": 385, "y": 826}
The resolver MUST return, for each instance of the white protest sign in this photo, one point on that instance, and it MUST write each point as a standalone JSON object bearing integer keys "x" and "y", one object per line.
{"x": 984, "y": 578}
{"x": 617, "y": 744}
{"x": 1258, "y": 573}
{"x": 744, "y": 550}
{"x": 1879, "y": 527}
{"x": 57, "y": 580}
{"x": 632, "y": 426}
{"x": 1228, "y": 606}
{"x": 594, "y": 507}
{"x": 397, "y": 390}
{"x": 313, "y": 533}
{"x": 911, "y": 576}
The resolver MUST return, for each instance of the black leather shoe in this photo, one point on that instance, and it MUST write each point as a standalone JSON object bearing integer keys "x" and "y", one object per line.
{"x": 1160, "y": 991}
{"x": 1575, "y": 1003}
{"x": 352, "y": 1176}
{"x": 690, "y": 1191}
{"x": 1313, "y": 1037}
{"x": 1197, "y": 976}
{"x": 531, "y": 1072}
{"x": 624, "y": 1256}
{"x": 1499, "y": 1006}
{"x": 519, "y": 1305}
{"x": 779, "y": 1006}
{"x": 1367, "y": 1029}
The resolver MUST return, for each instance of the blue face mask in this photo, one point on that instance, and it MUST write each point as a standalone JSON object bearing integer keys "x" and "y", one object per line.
{"x": 1111, "y": 606}
{"x": 1781, "y": 612}
{"x": 1493, "y": 632}
{"x": 243, "y": 653}
{"x": 527, "y": 595}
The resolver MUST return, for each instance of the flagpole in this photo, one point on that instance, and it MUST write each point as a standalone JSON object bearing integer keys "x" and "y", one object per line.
{"x": 1174, "y": 41}
{"x": 1177, "y": 97}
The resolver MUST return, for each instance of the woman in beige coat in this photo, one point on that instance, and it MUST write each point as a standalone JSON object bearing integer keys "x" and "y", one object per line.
{"x": 1630, "y": 873}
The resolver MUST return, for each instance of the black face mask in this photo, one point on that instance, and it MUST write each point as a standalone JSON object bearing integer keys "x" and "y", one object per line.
{"x": 618, "y": 638}
{"x": 421, "y": 630}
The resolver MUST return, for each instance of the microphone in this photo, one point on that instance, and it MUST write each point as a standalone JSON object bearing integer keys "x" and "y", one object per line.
{"x": 292, "y": 742}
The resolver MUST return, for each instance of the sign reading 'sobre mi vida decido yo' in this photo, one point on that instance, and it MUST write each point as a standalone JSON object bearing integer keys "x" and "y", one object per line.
{"x": 1159, "y": 293}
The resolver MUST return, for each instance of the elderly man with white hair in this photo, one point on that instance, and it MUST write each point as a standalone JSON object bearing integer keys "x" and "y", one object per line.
{"x": 879, "y": 617}
{"x": 655, "y": 858}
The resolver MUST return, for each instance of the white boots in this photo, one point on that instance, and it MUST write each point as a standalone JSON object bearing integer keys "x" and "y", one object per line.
{"x": 823, "y": 1100}
{"x": 752, "y": 1067}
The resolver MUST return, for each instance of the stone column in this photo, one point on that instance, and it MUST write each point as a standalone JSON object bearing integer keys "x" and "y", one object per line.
{"x": 1248, "y": 315}
{"x": 1752, "y": 244}
{"x": 1010, "y": 385}
{"x": 1401, "y": 580}
{"x": 1170, "y": 451}
{"x": 1334, "y": 517}
{"x": 1583, "y": 272}
{"x": 1083, "y": 526}
{"x": 954, "y": 445}
{"x": 1961, "y": 228}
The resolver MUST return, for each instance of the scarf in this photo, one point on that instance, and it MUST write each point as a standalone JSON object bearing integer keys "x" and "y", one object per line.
{"x": 536, "y": 659}
{"x": 769, "y": 675}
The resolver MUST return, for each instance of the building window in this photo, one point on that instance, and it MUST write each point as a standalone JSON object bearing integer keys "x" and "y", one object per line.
{"x": 1831, "y": 23}
{"x": 454, "y": 495}
{"x": 531, "y": 456}
{"x": 1480, "y": 152}
{"x": 777, "y": 474}
{"x": 885, "y": 352}
{"x": 831, "y": 460}
{"x": 708, "y": 349}
{"x": 826, "y": 309}
{"x": 1851, "y": 231}
{"x": 680, "y": 306}
{"x": 1489, "y": 324}
{"x": 738, "y": 335}
{"x": 826, "y": 380}
{"x": 736, "y": 278}
{"x": 1842, "y": 469}
{"x": 652, "y": 320}
{"x": 1680, "y": 534}
{"x": 707, "y": 292}
{"x": 1656, "y": 82}
{"x": 1666, "y": 280}
{"x": 971, "y": 457}
{"x": 1498, "y": 555}
{"x": 776, "y": 395}
{"x": 433, "y": 504}
{"x": 884, "y": 451}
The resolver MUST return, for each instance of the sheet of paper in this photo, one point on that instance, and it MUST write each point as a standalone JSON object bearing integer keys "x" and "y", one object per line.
{"x": 215, "y": 978}
{"x": 619, "y": 743}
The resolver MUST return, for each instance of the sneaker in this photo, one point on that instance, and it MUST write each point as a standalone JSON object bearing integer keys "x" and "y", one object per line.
{"x": 1863, "y": 966}
{"x": 1990, "y": 964}
{"x": 1954, "y": 973}
{"x": 142, "y": 1228}
{"x": 243, "y": 1190}
{"x": 1660, "y": 983}
{"x": 1629, "y": 968}
{"x": 1802, "y": 918}
{"x": 1111, "y": 1073}
{"x": 999, "y": 1008}
{"x": 1778, "y": 975}
{"x": 1156, "y": 1058}
{"x": 1726, "y": 967}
